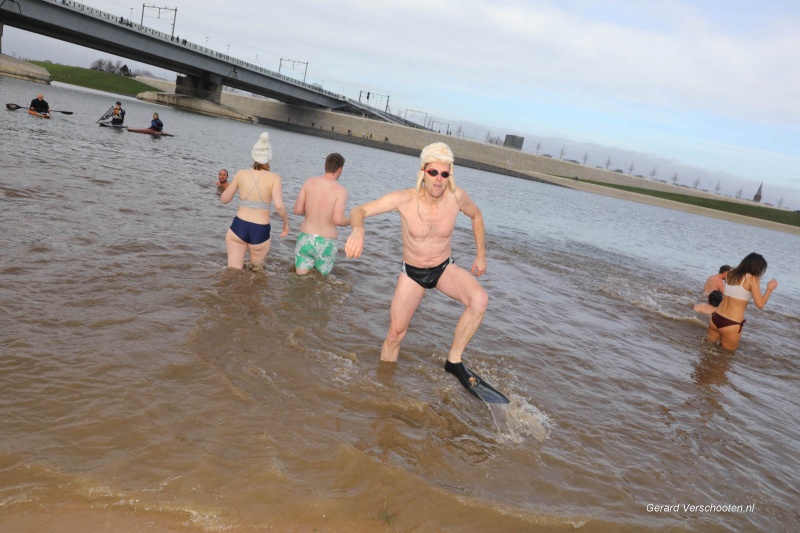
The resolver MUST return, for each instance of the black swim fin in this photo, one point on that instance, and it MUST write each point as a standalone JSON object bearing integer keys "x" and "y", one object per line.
{"x": 475, "y": 384}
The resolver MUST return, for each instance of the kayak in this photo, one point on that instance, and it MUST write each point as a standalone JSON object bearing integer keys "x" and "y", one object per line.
{"x": 35, "y": 114}
{"x": 151, "y": 132}
{"x": 115, "y": 126}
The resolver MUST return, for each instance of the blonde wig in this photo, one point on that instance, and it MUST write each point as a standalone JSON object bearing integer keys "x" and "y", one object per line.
{"x": 436, "y": 153}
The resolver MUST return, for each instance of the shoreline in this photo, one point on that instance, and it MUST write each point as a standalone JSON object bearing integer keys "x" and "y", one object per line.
{"x": 405, "y": 140}
{"x": 669, "y": 204}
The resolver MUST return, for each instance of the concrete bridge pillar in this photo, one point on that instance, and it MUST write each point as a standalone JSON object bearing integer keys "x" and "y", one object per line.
{"x": 208, "y": 87}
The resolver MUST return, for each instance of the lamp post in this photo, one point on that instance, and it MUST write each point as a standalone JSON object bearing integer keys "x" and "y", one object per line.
{"x": 206, "y": 41}
{"x": 228, "y": 51}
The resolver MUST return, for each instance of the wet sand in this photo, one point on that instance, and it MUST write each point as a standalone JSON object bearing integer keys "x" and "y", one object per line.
{"x": 661, "y": 202}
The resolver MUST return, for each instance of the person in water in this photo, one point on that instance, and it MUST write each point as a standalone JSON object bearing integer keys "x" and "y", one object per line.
{"x": 714, "y": 299}
{"x": 322, "y": 202}
{"x": 743, "y": 284}
{"x": 117, "y": 115}
{"x": 40, "y": 105}
{"x": 222, "y": 179}
{"x": 258, "y": 187}
{"x": 716, "y": 282}
{"x": 156, "y": 123}
{"x": 427, "y": 219}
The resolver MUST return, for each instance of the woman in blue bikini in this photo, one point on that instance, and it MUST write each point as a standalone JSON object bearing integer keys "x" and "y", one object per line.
{"x": 742, "y": 285}
{"x": 258, "y": 188}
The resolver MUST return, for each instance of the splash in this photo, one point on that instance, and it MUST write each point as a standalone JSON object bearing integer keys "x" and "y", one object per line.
{"x": 520, "y": 421}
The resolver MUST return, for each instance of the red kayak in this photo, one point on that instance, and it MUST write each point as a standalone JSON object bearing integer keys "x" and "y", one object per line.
{"x": 150, "y": 131}
{"x": 35, "y": 114}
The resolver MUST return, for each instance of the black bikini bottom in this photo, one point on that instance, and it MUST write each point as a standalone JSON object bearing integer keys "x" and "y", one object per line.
{"x": 722, "y": 322}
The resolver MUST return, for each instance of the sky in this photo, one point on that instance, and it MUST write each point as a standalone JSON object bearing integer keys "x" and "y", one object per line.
{"x": 704, "y": 89}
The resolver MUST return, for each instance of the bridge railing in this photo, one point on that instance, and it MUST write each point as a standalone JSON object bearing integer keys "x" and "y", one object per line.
{"x": 133, "y": 26}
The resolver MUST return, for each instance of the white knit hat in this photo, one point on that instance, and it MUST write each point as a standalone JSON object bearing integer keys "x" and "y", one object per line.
{"x": 262, "y": 150}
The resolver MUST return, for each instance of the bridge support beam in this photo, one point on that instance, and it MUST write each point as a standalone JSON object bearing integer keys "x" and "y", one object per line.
{"x": 208, "y": 87}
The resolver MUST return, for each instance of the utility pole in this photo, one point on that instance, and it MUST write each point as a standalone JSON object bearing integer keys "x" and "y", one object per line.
{"x": 424, "y": 120}
{"x": 379, "y": 95}
{"x": 305, "y": 71}
{"x": 160, "y": 9}
{"x": 447, "y": 129}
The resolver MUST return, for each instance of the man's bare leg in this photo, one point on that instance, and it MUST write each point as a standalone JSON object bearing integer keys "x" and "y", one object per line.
{"x": 460, "y": 285}
{"x": 407, "y": 296}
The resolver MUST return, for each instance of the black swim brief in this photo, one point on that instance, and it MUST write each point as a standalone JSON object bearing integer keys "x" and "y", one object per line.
{"x": 427, "y": 277}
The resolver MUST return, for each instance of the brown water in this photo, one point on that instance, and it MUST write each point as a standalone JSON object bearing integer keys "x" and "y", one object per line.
{"x": 144, "y": 387}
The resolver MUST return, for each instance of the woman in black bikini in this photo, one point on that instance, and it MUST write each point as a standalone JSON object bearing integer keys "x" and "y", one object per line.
{"x": 742, "y": 285}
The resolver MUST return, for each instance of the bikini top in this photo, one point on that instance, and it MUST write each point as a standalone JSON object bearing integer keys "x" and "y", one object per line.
{"x": 738, "y": 292}
{"x": 253, "y": 203}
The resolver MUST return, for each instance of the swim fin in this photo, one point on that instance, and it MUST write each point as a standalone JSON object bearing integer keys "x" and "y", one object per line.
{"x": 475, "y": 384}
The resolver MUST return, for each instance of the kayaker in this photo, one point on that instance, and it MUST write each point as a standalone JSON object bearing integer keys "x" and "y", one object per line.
{"x": 40, "y": 105}
{"x": 117, "y": 115}
{"x": 156, "y": 124}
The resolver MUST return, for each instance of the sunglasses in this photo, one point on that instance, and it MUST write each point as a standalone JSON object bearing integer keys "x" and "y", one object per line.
{"x": 432, "y": 172}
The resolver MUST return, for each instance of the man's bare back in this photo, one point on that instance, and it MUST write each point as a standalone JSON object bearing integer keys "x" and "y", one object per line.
{"x": 322, "y": 200}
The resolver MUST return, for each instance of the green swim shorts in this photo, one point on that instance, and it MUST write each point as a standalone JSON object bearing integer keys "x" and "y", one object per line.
{"x": 313, "y": 251}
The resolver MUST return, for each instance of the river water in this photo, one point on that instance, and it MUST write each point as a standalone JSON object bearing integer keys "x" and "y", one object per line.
{"x": 144, "y": 387}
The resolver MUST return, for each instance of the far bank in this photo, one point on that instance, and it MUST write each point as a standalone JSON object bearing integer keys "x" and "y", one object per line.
{"x": 469, "y": 153}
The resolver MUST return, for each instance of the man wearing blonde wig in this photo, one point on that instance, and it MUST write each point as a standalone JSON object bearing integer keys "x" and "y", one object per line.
{"x": 428, "y": 216}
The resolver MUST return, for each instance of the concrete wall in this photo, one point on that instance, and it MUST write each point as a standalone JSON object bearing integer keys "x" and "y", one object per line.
{"x": 14, "y": 68}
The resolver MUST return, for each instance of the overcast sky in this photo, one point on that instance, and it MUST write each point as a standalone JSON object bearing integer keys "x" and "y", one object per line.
{"x": 705, "y": 88}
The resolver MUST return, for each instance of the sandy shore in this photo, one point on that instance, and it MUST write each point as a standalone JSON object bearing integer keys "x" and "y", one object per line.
{"x": 669, "y": 204}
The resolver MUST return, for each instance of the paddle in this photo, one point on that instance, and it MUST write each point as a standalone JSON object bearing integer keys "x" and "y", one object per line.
{"x": 17, "y": 106}
{"x": 106, "y": 115}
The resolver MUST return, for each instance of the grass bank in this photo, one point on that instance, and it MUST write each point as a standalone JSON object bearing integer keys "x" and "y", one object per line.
{"x": 780, "y": 216}
{"x": 94, "y": 79}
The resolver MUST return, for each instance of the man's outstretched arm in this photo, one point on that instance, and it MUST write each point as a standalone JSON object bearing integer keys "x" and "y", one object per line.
{"x": 390, "y": 202}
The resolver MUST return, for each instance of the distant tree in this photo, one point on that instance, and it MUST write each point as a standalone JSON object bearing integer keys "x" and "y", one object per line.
{"x": 696, "y": 182}
{"x": 739, "y": 193}
{"x": 144, "y": 73}
{"x": 561, "y": 155}
{"x": 460, "y": 131}
{"x": 99, "y": 64}
{"x": 538, "y": 147}
{"x": 125, "y": 71}
{"x": 718, "y": 187}
{"x": 675, "y": 179}
{"x": 608, "y": 162}
{"x": 631, "y": 169}
{"x": 653, "y": 173}
{"x": 493, "y": 139}
{"x": 780, "y": 202}
{"x": 585, "y": 157}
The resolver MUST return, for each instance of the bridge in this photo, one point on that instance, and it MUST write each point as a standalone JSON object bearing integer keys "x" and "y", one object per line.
{"x": 202, "y": 72}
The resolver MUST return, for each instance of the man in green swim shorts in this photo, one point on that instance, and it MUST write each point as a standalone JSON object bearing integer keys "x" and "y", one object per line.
{"x": 322, "y": 201}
